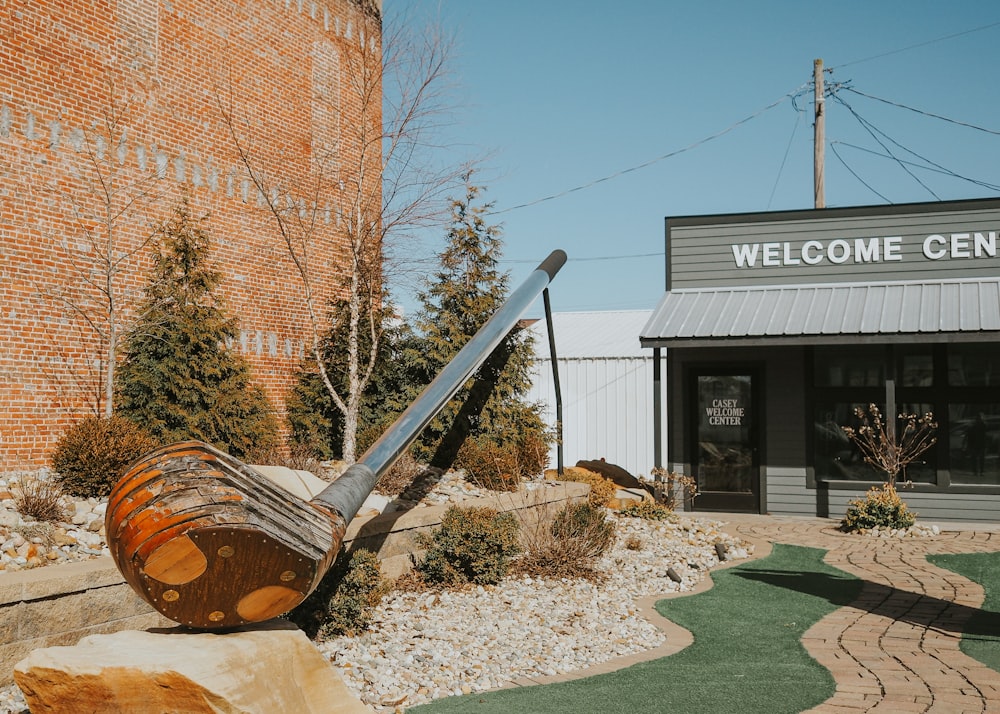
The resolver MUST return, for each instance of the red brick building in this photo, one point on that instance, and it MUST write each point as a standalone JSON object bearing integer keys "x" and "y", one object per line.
{"x": 111, "y": 111}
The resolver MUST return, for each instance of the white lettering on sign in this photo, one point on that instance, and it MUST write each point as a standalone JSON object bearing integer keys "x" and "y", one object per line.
{"x": 725, "y": 412}
{"x": 961, "y": 245}
{"x": 863, "y": 250}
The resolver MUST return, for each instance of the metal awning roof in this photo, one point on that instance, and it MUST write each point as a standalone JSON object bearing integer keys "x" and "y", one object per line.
{"x": 942, "y": 310}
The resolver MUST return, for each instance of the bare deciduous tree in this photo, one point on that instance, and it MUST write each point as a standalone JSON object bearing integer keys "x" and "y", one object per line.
{"x": 375, "y": 174}
{"x": 889, "y": 447}
{"x": 106, "y": 201}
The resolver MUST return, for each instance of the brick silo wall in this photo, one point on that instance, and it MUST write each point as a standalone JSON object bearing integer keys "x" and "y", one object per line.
{"x": 111, "y": 111}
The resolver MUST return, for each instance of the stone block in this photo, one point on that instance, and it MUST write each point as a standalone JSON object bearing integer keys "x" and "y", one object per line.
{"x": 265, "y": 668}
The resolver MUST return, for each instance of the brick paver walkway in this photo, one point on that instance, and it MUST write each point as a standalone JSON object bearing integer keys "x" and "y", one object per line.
{"x": 896, "y": 648}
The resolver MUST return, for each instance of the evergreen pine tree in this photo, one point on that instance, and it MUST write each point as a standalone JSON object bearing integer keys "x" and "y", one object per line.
{"x": 178, "y": 379}
{"x": 463, "y": 294}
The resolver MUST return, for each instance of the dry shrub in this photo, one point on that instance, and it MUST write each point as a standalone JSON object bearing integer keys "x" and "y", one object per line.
{"x": 501, "y": 464}
{"x": 400, "y": 476}
{"x": 490, "y": 465}
{"x": 566, "y": 543}
{"x": 40, "y": 499}
{"x": 881, "y": 507}
{"x": 647, "y": 510}
{"x": 299, "y": 458}
{"x": 533, "y": 454}
{"x": 602, "y": 490}
{"x": 671, "y": 485}
{"x": 94, "y": 453}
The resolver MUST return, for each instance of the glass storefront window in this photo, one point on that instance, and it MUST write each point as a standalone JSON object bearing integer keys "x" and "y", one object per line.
{"x": 973, "y": 365}
{"x": 917, "y": 370}
{"x": 974, "y": 443}
{"x": 838, "y": 458}
{"x": 855, "y": 366}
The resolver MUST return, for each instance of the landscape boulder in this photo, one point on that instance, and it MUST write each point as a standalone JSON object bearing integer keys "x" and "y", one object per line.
{"x": 267, "y": 667}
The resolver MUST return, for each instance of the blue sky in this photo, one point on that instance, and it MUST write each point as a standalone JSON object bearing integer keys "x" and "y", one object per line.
{"x": 556, "y": 96}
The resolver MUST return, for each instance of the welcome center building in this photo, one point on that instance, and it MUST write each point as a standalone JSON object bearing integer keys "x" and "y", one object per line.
{"x": 778, "y": 325}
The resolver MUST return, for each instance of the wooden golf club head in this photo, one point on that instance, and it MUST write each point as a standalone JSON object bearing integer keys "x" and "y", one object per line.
{"x": 211, "y": 543}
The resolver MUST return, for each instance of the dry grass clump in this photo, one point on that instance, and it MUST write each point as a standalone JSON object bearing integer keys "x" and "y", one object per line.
{"x": 566, "y": 544}
{"x": 40, "y": 499}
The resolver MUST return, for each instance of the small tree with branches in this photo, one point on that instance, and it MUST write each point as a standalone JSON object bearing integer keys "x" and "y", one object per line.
{"x": 890, "y": 448}
{"x": 108, "y": 206}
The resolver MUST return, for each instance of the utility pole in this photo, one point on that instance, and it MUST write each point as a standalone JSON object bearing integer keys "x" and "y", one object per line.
{"x": 819, "y": 136}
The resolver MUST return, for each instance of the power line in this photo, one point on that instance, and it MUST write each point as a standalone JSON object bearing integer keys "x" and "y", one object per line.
{"x": 784, "y": 159}
{"x": 601, "y": 258}
{"x": 919, "y": 44}
{"x": 919, "y": 111}
{"x": 870, "y": 128}
{"x": 854, "y": 173}
{"x": 646, "y": 164}
{"x": 939, "y": 169}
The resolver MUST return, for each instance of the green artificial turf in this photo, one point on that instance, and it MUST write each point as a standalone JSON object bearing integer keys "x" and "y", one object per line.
{"x": 981, "y": 636}
{"x": 746, "y": 655}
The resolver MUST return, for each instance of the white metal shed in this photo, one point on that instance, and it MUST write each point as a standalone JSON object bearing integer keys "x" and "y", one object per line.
{"x": 606, "y": 382}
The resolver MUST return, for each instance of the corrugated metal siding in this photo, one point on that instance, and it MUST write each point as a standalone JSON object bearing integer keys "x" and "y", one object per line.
{"x": 607, "y": 409}
{"x": 606, "y": 380}
{"x": 888, "y": 309}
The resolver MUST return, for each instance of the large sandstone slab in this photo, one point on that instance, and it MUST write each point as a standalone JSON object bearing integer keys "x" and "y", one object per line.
{"x": 269, "y": 667}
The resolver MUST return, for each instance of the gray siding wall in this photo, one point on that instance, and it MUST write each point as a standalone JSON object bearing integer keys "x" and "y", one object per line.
{"x": 701, "y": 253}
{"x": 787, "y": 494}
{"x": 931, "y": 507}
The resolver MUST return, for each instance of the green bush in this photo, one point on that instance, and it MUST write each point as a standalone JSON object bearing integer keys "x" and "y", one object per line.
{"x": 344, "y": 601}
{"x": 473, "y": 545}
{"x": 881, "y": 507}
{"x": 92, "y": 455}
{"x": 358, "y": 593}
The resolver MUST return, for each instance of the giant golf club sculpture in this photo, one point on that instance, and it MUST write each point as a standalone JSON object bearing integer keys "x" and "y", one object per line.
{"x": 211, "y": 543}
